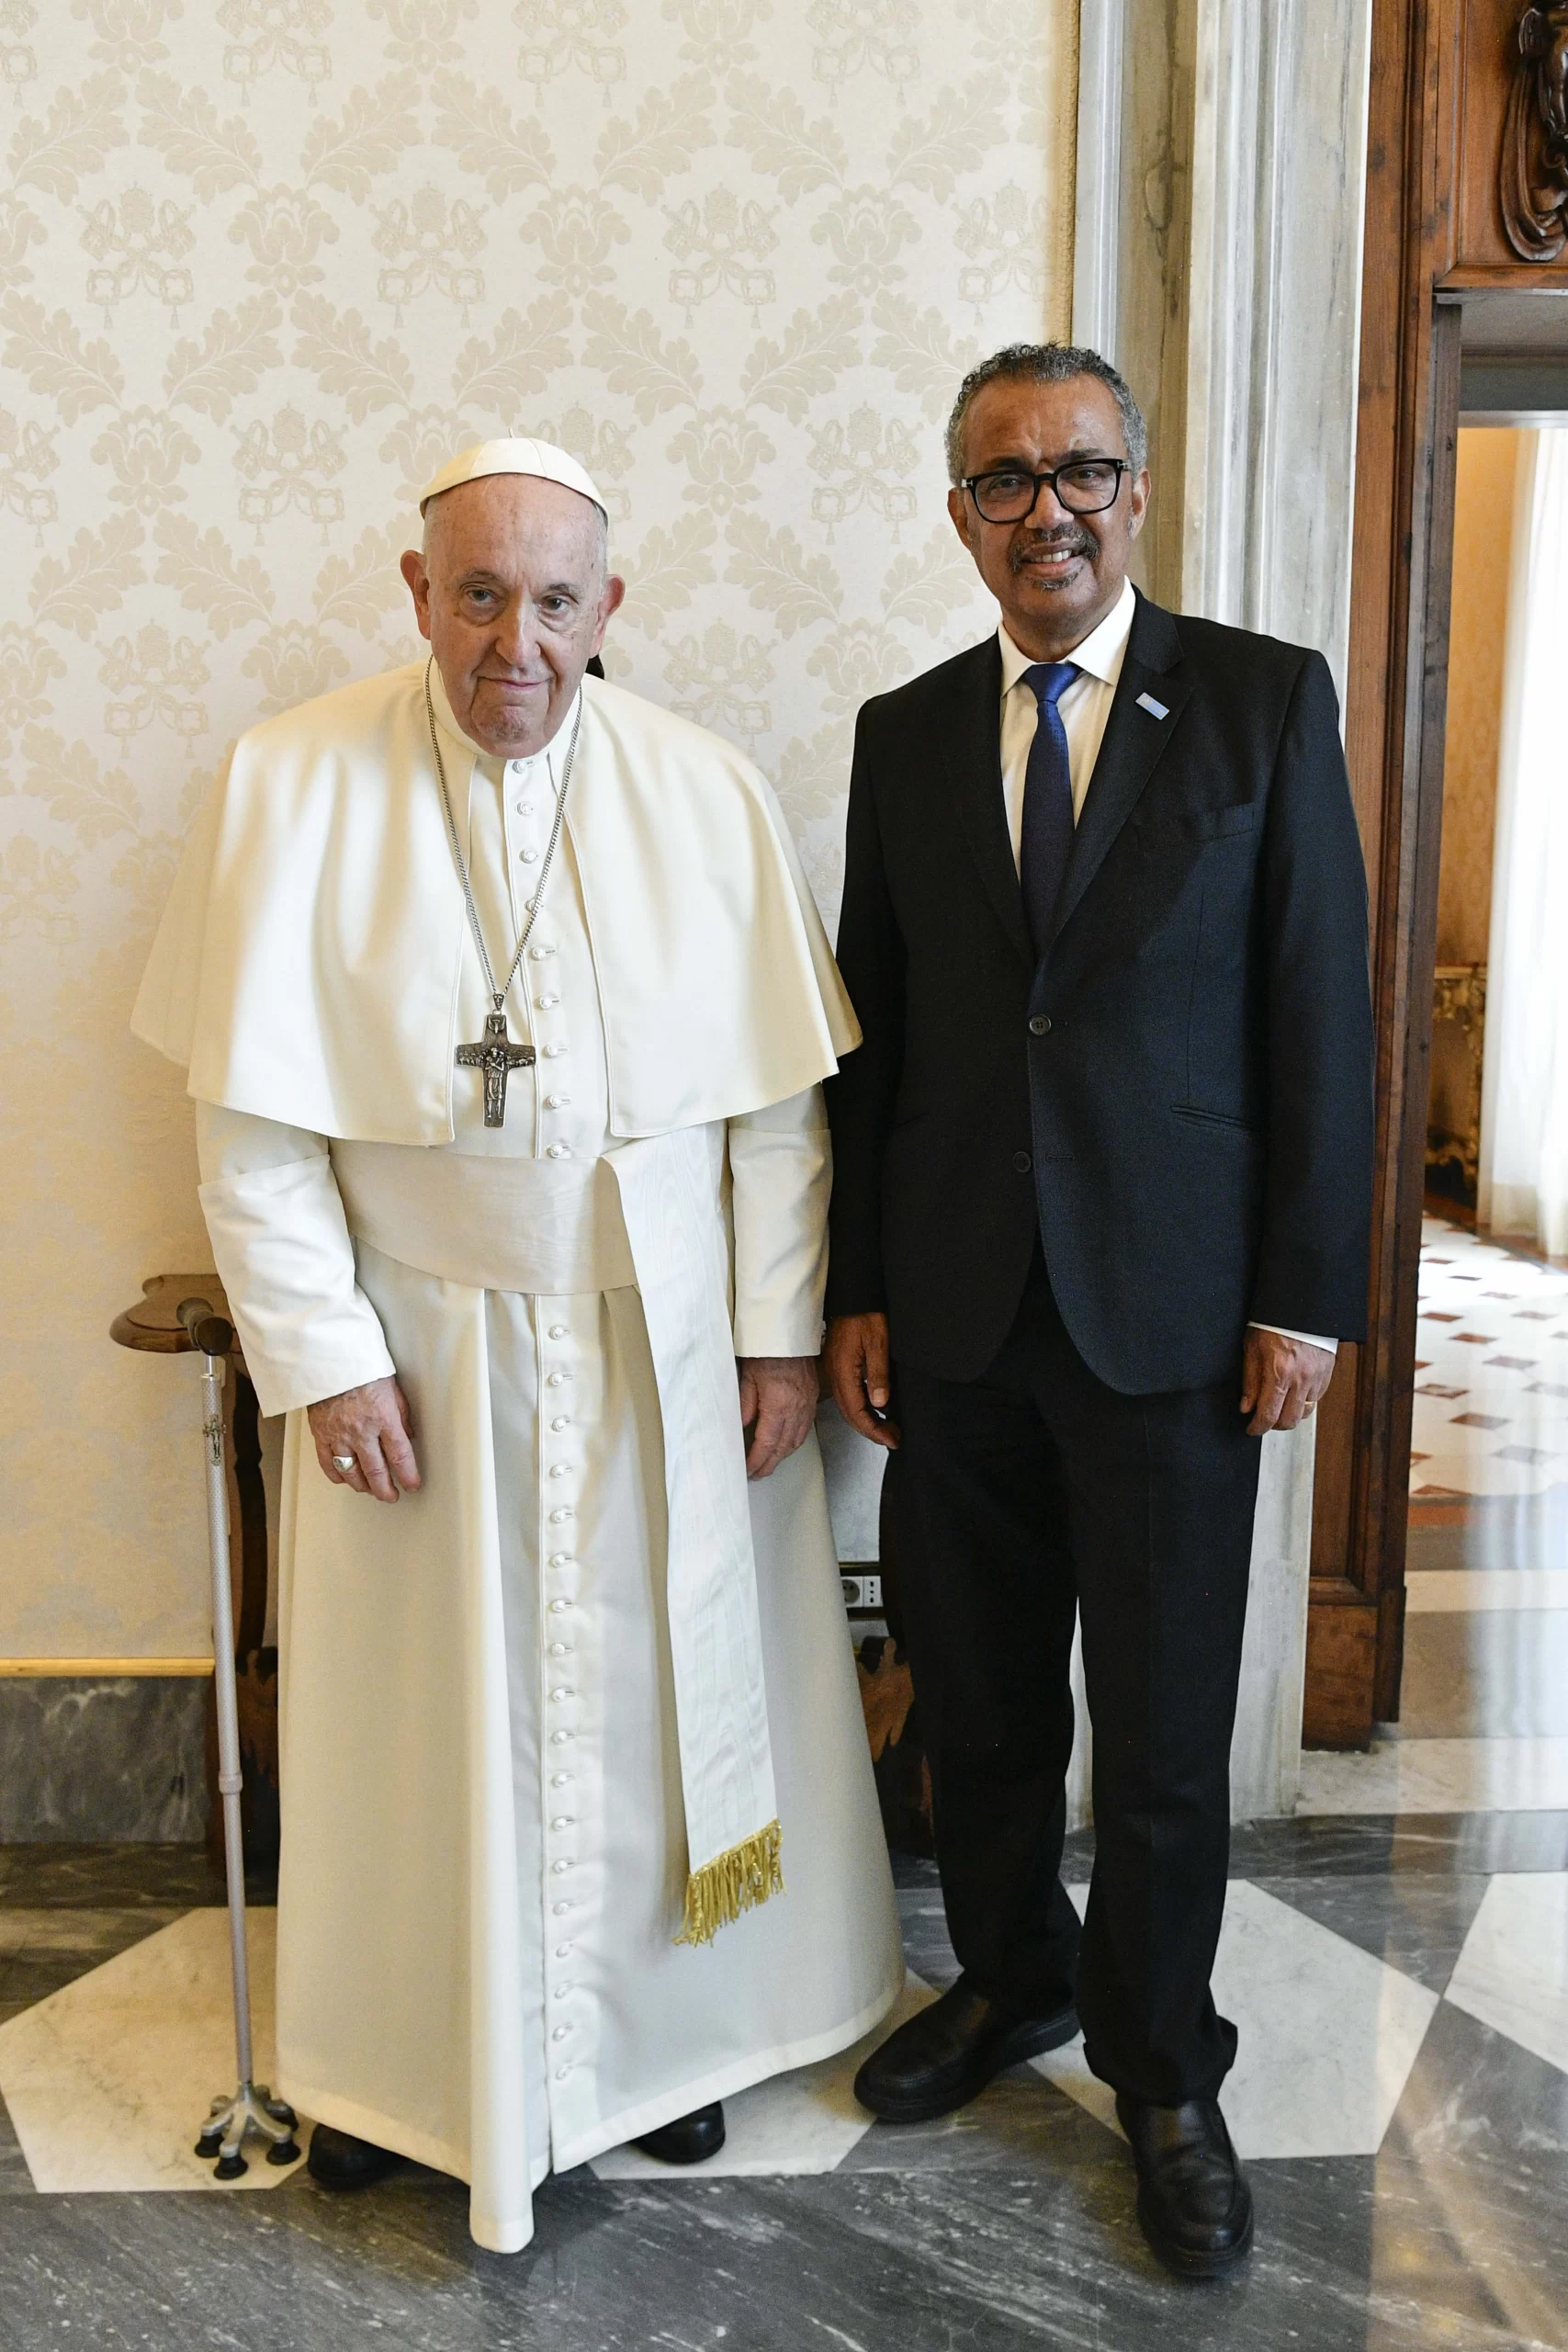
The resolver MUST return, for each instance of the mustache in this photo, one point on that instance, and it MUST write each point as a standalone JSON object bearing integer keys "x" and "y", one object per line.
{"x": 1050, "y": 543}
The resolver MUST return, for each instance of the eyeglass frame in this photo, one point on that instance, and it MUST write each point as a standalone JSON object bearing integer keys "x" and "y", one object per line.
{"x": 1122, "y": 466}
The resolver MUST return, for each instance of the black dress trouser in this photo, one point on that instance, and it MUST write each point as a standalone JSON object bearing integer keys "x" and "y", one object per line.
{"x": 1021, "y": 1499}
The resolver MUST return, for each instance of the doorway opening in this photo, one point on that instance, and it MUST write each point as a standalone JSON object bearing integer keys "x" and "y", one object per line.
{"x": 1487, "y": 1567}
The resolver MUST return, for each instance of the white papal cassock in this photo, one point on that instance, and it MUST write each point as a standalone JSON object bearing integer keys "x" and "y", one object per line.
{"x": 507, "y": 1700}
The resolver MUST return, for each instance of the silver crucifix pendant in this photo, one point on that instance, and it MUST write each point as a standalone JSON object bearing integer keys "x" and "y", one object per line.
{"x": 498, "y": 1057}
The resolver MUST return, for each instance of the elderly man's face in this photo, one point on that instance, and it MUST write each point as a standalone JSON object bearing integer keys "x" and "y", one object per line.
{"x": 512, "y": 593}
{"x": 1054, "y": 574}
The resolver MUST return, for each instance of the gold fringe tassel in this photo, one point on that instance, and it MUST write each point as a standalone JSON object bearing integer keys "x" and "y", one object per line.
{"x": 734, "y": 1882}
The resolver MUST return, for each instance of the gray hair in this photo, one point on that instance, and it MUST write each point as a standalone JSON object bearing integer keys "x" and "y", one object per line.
{"x": 1046, "y": 363}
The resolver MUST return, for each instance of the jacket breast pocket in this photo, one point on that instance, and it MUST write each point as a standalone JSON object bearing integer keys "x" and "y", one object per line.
{"x": 1221, "y": 824}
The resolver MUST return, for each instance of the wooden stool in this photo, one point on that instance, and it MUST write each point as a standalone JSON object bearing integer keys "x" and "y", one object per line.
{"x": 150, "y": 1327}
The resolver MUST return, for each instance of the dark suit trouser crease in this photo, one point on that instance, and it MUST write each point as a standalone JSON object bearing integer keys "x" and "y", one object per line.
{"x": 1024, "y": 1498}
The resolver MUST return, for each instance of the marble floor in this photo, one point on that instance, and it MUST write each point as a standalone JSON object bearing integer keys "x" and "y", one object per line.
{"x": 1491, "y": 1415}
{"x": 1395, "y": 1958}
{"x": 1400, "y": 1984}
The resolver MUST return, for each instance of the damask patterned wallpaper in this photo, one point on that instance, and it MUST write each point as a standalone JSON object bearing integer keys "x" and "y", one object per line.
{"x": 262, "y": 264}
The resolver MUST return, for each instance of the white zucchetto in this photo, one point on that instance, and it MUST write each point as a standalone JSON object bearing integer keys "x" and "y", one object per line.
{"x": 515, "y": 456}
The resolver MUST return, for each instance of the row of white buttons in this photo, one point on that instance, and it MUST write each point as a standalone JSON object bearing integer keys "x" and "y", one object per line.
{"x": 548, "y": 1000}
{"x": 516, "y": 769}
{"x": 520, "y": 772}
{"x": 560, "y": 1566}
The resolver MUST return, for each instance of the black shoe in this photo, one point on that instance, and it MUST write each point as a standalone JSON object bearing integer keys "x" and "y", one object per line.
{"x": 1194, "y": 2206}
{"x": 690, "y": 2139}
{"x": 340, "y": 2161}
{"x": 950, "y": 2051}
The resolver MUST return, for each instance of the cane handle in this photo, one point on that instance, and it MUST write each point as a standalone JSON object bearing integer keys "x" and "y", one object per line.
{"x": 207, "y": 1332}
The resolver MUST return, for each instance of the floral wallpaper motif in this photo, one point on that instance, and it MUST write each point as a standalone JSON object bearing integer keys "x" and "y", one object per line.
{"x": 262, "y": 263}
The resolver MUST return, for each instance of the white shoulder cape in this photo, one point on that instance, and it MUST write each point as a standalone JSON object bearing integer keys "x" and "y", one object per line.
{"x": 307, "y": 965}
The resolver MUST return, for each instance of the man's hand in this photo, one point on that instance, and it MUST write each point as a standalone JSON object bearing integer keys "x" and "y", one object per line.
{"x": 1281, "y": 1380}
{"x": 778, "y": 1404}
{"x": 859, "y": 1369}
{"x": 373, "y": 1424}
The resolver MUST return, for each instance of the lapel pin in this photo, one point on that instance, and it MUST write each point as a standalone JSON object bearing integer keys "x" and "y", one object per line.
{"x": 1155, "y": 710}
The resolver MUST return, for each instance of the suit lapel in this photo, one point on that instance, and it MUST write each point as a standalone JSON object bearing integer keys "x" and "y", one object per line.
{"x": 972, "y": 753}
{"x": 1134, "y": 742}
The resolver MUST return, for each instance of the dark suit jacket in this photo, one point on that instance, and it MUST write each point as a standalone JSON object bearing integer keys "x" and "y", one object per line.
{"x": 1179, "y": 1096}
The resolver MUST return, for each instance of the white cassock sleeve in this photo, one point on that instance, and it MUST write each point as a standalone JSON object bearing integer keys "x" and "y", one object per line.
{"x": 280, "y": 1242}
{"x": 781, "y": 1166}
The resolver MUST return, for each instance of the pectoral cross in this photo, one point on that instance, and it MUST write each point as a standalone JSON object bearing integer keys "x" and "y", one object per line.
{"x": 498, "y": 1057}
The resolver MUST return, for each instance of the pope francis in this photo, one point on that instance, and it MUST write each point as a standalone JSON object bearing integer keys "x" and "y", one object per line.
{"x": 504, "y": 1005}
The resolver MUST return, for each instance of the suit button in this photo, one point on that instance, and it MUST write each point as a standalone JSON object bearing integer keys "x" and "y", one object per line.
{"x": 1039, "y": 1023}
{"x": 1022, "y": 1162}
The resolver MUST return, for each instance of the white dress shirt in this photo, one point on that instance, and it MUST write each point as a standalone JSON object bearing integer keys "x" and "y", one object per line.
{"x": 1085, "y": 707}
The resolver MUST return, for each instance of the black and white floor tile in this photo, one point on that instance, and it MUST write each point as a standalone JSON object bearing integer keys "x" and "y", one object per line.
{"x": 1491, "y": 1414}
{"x": 1401, "y": 2098}
{"x": 1396, "y": 1959}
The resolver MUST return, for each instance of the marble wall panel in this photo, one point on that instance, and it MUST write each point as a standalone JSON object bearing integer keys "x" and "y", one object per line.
{"x": 84, "y": 1760}
{"x": 1133, "y": 197}
{"x": 1274, "y": 285}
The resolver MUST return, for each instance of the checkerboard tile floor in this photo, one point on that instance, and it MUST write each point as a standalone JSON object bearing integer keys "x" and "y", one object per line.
{"x": 1491, "y": 1410}
{"x": 105, "y": 2079}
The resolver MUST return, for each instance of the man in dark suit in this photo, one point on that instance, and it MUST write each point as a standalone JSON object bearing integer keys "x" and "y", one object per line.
{"x": 1101, "y": 1211}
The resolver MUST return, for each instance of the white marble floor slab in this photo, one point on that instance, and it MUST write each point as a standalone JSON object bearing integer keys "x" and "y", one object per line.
{"x": 1440, "y": 1592}
{"x": 1513, "y": 1970}
{"x": 1526, "y": 1414}
{"x": 1438, "y": 1775}
{"x": 1491, "y": 1403}
{"x": 801, "y": 2122}
{"x": 1472, "y": 1474}
{"x": 108, "y": 2082}
{"x": 1328, "y": 2035}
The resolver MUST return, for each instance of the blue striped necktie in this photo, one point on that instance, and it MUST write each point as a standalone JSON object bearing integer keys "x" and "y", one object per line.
{"x": 1045, "y": 842}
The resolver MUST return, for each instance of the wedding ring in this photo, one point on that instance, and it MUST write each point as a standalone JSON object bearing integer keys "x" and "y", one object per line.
{"x": 342, "y": 1461}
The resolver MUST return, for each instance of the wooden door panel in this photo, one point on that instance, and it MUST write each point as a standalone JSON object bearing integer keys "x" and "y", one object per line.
{"x": 1441, "y": 76}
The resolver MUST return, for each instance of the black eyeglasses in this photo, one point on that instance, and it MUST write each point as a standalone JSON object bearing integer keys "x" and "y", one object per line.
{"x": 1084, "y": 486}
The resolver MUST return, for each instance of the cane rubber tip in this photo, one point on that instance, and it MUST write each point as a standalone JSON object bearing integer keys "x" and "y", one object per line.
{"x": 287, "y": 2151}
{"x": 229, "y": 2167}
{"x": 207, "y": 2148}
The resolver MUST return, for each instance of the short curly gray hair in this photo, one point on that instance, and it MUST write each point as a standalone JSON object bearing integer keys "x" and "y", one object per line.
{"x": 1045, "y": 363}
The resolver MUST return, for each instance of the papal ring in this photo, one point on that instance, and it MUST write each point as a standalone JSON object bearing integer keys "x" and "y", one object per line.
{"x": 342, "y": 1461}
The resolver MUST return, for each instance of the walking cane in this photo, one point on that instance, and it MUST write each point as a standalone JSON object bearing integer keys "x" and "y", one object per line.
{"x": 251, "y": 2107}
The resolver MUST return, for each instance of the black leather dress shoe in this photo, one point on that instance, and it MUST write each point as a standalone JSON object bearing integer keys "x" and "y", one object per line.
{"x": 1194, "y": 2206}
{"x": 943, "y": 2057}
{"x": 340, "y": 2161}
{"x": 690, "y": 2139}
